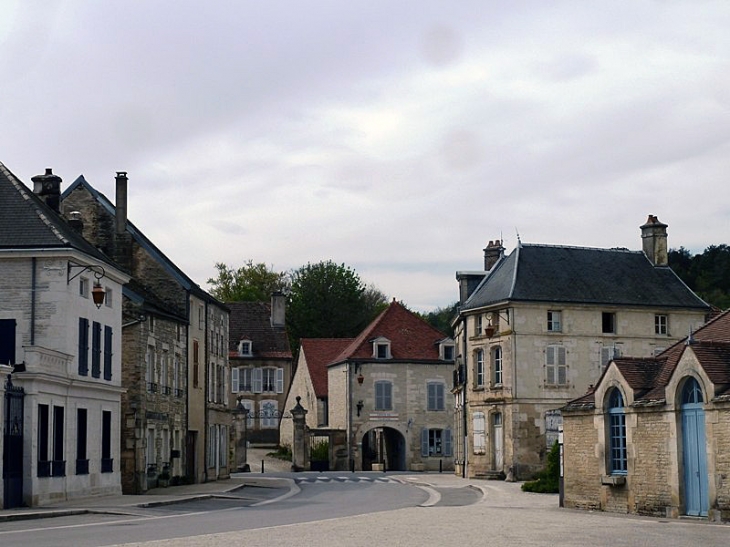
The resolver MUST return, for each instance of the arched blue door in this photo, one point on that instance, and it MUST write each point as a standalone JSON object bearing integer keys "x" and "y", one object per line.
{"x": 696, "y": 497}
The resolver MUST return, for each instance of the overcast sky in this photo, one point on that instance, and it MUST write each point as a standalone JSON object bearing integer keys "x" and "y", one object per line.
{"x": 395, "y": 137}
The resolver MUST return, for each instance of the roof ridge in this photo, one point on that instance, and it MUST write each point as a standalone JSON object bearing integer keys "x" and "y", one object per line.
{"x": 582, "y": 247}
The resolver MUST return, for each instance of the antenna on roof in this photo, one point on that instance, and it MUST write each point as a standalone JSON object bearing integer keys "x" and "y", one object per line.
{"x": 519, "y": 241}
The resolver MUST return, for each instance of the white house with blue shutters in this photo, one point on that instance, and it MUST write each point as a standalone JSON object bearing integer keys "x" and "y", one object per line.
{"x": 60, "y": 349}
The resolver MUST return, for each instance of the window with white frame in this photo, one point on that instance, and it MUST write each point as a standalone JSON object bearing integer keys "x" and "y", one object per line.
{"x": 381, "y": 348}
{"x": 245, "y": 348}
{"x": 446, "y": 350}
{"x": 241, "y": 379}
{"x": 497, "y": 365}
{"x": 108, "y": 297}
{"x": 617, "y": 455}
{"x": 269, "y": 415}
{"x": 661, "y": 324}
{"x": 383, "y": 395}
{"x": 478, "y": 325}
{"x": 554, "y": 323}
{"x": 479, "y": 426}
{"x": 436, "y": 442}
{"x": 479, "y": 364}
{"x": 84, "y": 287}
{"x": 556, "y": 369}
{"x": 435, "y": 397}
{"x": 267, "y": 380}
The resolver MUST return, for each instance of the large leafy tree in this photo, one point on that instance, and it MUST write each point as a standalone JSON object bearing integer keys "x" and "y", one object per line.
{"x": 329, "y": 300}
{"x": 708, "y": 274}
{"x": 252, "y": 282}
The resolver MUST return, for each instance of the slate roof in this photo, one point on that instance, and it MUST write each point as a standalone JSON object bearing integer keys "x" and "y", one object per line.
{"x": 548, "y": 273}
{"x": 649, "y": 377}
{"x": 252, "y": 321}
{"x": 26, "y": 222}
{"x": 319, "y": 352}
{"x": 411, "y": 338}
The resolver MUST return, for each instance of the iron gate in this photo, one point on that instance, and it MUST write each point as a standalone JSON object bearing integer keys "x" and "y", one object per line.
{"x": 319, "y": 452}
{"x": 13, "y": 446}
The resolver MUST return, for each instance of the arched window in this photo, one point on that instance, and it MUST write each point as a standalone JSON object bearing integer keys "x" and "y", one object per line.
{"x": 616, "y": 433}
{"x": 691, "y": 392}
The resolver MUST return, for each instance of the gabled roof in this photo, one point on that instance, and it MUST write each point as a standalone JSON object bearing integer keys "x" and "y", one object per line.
{"x": 142, "y": 240}
{"x": 319, "y": 352}
{"x": 649, "y": 377}
{"x": 252, "y": 321}
{"x": 411, "y": 338}
{"x": 26, "y": 222}
{"x": 580, "y": 275}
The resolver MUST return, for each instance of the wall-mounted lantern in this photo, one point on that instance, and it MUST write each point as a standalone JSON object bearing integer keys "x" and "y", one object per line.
{"x": 360, "y": 378}
{"x": 98, "y": 294}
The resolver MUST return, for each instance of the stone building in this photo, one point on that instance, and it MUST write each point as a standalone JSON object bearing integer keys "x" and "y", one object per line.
{"x": 389, "y": 390}
{"x": 536, "y": 328}
{"x": 261, "y": 366}
{"x": 176, "y": 415}
{"x": 653, "y": 436}
{"x": 60, "y": 352}
{"x": 310, "y": 383}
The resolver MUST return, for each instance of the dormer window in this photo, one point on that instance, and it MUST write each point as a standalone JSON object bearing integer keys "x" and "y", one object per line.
{"x": 381, "y": 348}
{"x": 245, "y": 348}
{"x": 446, "y": 349}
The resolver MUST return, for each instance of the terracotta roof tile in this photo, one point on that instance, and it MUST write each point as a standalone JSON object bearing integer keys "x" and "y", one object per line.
{"x": 318, "y": 353}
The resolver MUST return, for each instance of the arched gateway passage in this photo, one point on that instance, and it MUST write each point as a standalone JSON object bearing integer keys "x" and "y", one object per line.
{"x": 383, "y": 446}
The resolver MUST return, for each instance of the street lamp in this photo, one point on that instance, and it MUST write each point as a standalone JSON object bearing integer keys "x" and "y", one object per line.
{"x": 98, "y": 294}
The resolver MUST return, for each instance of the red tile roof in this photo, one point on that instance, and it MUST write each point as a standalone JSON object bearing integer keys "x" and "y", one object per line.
{"x": 318, "y": 353}
{"x": 411, "y": 338}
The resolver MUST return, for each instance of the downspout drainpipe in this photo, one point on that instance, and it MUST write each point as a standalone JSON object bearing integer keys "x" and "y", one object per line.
{"x": 348, "y": 387}
{"x": 464, "y": 406}
{"x": 206, "y": 387}
{"x": 32, "y": 301}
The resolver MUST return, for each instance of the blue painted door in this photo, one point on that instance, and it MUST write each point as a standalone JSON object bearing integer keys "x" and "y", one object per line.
{"x": 694, "y": 451}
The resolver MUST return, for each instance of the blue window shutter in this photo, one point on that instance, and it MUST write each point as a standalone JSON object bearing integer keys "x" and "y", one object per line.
{"x": 7, "y": 341}
{"x": 108, "y": 337}
{"x": 96, "y": 349}
{"x": 447, "y": 442}
{"x": 424, "y": 442}
{"x": 83, "y": 346}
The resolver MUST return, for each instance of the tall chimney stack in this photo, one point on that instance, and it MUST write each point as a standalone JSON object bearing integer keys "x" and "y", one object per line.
{"x": 654, "y": 240}
{"x": 48, "y": 188}
{"x": 492, "y": 254}
{"x": 278, "y": 309}
{"x": 121, "y": 203}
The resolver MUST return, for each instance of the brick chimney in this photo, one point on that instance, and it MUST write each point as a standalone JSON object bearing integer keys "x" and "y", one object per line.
{"x": 48, "y": 188}
{"x": 654, "y": 239}
{"x": 492, "y": 254}
{"x": 121, "y": 202}
{"x": 76, "y": 222}
{"x": 278, "y": 309}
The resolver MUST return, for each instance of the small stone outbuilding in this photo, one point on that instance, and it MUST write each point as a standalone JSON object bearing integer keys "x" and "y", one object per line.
{"x": 653, "y": 436}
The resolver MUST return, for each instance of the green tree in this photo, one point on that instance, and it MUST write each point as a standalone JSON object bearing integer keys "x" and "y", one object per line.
{"x": 329, "y": 300}
{"x": 441, "y": 318}
{"x": 252, "y": 282}
{"x": 708, "y": 274}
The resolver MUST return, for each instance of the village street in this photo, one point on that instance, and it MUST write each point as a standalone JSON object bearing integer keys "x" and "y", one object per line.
{"x": 366, "y": 510}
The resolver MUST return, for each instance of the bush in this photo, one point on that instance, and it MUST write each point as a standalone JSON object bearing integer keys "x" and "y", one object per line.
{"x": 548, "y": 480}
{"x": 321, "y": 451}
{"x": 282, "y": 453}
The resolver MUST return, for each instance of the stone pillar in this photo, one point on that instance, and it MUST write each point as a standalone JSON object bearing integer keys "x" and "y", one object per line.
{"x": 240, "y": 441}
{"x": 299, "y": 443}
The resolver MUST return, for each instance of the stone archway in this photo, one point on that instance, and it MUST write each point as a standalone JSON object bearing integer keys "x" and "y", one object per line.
{"x": 383, "y": 449}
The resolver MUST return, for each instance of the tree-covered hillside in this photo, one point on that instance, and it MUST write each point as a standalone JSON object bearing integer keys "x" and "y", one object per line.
{"x": 707, "y": 274}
